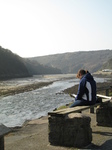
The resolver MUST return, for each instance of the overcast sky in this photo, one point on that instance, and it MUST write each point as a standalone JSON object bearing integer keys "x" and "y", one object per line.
{"x": 42, "y": 27}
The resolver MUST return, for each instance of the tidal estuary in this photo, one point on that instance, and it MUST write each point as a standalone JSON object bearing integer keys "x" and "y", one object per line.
{"x": 16, "y": 109}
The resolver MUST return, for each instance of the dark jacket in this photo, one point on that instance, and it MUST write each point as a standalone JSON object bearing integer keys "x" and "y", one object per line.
{"x": 87, "y": 89}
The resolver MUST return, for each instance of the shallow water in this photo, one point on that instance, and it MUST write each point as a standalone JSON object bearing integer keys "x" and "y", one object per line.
{"x": 16, "y": 109}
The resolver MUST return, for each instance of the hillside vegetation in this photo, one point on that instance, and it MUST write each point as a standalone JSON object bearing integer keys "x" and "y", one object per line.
{"x": 108, "y": 64}
{"x": 36, "y": 68}
{"x": 72, "y": 62}
{"x": 11, "y": 65}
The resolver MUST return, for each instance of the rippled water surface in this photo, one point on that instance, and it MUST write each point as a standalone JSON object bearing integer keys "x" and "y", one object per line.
{"x": 16, "y": 109}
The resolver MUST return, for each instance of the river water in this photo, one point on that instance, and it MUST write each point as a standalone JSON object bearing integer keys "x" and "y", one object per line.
{"x": 16, "y": 109}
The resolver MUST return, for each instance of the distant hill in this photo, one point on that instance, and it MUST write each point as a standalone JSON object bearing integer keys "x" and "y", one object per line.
{"x": 36, "y": 68}
{"x": 11, "y": 65}
{"x": 72, "y": 62}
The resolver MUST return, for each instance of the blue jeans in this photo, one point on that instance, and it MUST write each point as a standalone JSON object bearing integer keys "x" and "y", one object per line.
{"x": 81, "y": 103}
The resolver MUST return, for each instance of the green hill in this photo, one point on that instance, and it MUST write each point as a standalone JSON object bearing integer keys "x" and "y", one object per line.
{"x": 11, "y": 65}
{"x": 36, "y": 68}
{"x": 108, "y": 64}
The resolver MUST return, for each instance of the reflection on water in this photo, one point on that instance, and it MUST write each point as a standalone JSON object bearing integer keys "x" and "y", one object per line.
{"x": 16, "y": 109}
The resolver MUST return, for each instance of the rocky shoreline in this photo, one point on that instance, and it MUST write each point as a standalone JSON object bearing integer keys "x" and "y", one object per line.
{"x": 11, "y": 90}
{"x": 73, "y": 89}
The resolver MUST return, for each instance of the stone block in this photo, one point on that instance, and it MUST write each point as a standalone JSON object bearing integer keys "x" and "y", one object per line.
{"x": 104, "y": 115}
{"x": 1, "y": 143}
{"x": 72, "y": 130}
{"x": 3, "y": 131}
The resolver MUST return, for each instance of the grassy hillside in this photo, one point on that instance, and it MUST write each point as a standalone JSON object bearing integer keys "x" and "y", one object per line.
{"x": 35, "y": 68}
{"x": 11, "y": 65}
{"x": 72, "y": 62}
{"x": 108, "y": 64}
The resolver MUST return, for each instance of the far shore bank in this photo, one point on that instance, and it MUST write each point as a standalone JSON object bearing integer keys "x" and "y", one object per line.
{"x": 11, "y": 90}
{"x": 73, "y": 89}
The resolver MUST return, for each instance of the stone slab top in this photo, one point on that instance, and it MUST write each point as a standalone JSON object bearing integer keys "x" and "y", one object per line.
{"x": 4, "y": 130}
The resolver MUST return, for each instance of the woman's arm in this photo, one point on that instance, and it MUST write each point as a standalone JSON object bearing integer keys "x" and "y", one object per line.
{"x": 81, "y": 89}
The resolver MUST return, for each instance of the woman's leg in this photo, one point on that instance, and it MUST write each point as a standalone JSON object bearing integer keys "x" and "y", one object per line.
{"x": 78, "y": 103}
